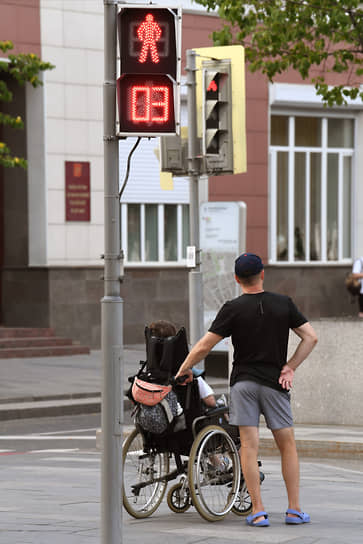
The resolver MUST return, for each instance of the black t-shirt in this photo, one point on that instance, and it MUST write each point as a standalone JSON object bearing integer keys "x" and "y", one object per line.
{"x": 259, "y": 325}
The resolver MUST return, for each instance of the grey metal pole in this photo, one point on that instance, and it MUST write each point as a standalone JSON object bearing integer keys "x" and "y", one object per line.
{"x": 111, "y": 304}
{"x": 196, "y": 327}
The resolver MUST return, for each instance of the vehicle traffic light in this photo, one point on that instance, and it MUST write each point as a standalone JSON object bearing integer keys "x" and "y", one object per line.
{"x": 217, "y": 136}
{"x": 225, "y": 59}
{"x": 148, "y": 89}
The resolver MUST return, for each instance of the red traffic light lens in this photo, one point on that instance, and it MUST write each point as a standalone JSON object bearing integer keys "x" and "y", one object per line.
{"x": 212, "y": 86}
{"x": 212, "y": 91}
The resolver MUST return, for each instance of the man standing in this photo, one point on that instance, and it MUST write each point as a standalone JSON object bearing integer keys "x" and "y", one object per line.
{"x": 259, "y": 324}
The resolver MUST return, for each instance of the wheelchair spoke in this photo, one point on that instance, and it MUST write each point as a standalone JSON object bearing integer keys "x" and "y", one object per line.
{"x": 144, "y": 477}
{"x": 214, "y": 473}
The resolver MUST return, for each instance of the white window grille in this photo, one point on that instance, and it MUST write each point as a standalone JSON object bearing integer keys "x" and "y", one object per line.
{"x": 311, "y": 188}
{"x": 154, "y": 233}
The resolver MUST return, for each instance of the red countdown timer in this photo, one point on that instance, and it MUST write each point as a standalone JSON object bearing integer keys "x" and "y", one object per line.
{"x": 148, "y": 56}
{"x": 149, "y": 104}
{"x": 146, "y": 105}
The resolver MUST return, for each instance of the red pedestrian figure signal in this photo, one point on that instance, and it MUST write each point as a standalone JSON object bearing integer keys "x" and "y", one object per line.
{"x": 149, "y": 32}
{"x": 148, "y": 89}
{"x": 212, "y": 86}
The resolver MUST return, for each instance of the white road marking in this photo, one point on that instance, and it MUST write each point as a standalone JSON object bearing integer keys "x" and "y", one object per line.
{"x": 231, "y": 534}
{"x": 42, "y": 437}
{"x": 69, "y": 431}
{"x": 69, "y": 459}
{"x": 54, "y": 451}
{"x": 335, "y": 468}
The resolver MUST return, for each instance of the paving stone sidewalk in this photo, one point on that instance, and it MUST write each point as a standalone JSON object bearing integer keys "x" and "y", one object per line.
{"x": 53, "y": 497}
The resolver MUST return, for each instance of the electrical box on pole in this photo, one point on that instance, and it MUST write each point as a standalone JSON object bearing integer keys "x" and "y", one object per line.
{"x": 217, "y": 136}
{"x": 148, "y": 89}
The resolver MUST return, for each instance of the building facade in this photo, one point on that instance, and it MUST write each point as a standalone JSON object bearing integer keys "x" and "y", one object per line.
{"x": 302, "y": 188}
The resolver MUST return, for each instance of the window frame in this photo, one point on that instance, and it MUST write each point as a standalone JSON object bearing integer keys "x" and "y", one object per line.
{"x": 323, "y": 150}
{"x": 161, "y": 262}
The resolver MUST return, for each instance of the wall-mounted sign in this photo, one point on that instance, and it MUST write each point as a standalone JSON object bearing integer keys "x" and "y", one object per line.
{"x": 222, "y": 239}
{"x": 78, "y": 191}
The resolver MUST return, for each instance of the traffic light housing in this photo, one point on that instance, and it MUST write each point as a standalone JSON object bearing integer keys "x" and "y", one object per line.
{"x": 235, "y": 57}
{"x": 217, "y": 136}
{"x": 148, "y": 88}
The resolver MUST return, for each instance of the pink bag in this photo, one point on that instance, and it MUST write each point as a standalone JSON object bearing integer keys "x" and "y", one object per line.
{"x": 149, "y": 393}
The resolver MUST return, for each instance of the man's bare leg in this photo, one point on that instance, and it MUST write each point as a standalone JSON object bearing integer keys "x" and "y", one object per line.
{"x": 285, "y": 441}
{"x": 251, "y": 472}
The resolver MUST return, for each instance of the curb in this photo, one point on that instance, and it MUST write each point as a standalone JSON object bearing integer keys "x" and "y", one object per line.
{"x": 63, "y": 396}
{"x": 330, "y": 449}
{"x": 50, "y": 408}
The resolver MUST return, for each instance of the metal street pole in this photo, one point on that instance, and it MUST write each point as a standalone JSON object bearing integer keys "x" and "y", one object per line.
{"x": 195, "y": 274}
{"x": 111, "y": 304}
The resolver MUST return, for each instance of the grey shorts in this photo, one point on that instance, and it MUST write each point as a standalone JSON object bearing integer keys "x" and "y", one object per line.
{"x": 250, "y": 399}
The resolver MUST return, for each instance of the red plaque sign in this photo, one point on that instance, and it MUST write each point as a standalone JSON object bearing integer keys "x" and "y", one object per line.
{"x": 78, "y": 195}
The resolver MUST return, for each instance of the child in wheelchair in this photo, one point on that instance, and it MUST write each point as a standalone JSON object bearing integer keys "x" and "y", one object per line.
{"x": 166, "y": 329}
{"x": 165, "y": 408}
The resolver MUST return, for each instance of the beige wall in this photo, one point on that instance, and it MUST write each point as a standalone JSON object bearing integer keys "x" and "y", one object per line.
{"x": 72, "y": 40}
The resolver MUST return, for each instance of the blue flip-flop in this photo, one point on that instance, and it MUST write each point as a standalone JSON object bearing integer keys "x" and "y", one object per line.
{"x": 263, "y": 523}
{"x": 300, "y": 517}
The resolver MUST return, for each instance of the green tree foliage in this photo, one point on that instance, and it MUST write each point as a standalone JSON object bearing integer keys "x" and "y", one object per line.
{"x": 299, "y": 34}
{"x": 22, "y": 68}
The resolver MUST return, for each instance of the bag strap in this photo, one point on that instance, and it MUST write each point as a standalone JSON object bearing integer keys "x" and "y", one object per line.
{"x": 164, "y": 403}
{"x": 188, "y": 395}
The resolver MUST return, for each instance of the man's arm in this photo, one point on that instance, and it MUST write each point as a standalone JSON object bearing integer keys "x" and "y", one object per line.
{"x": 306, "y": 345}
{"x": 197, "y": 353}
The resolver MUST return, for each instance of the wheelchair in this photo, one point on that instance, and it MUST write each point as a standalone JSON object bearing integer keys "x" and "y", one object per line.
{"x": 203, "y": 457}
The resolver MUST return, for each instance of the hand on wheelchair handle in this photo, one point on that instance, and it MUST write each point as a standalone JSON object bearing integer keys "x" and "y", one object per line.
{"x": 184, "y": 379}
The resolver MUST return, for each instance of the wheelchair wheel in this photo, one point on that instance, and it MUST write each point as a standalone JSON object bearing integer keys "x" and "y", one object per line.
{"x": 214, "y": 473}
{"x": 243, "y": 503}
{"x": 143, "y": 477}
{"x": 179, "y": 497}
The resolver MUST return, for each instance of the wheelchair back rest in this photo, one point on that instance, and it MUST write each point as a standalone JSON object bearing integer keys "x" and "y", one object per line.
{"x": 165, "y": 355}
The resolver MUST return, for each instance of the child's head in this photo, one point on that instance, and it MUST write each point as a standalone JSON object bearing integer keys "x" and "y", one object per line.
{"x": 162, "y": 329}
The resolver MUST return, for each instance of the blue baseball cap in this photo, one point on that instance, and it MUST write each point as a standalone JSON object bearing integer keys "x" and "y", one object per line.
{"x": 247, "y": 264}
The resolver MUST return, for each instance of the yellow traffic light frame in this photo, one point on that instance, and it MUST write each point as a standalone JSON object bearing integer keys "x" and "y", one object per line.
{"x": 236, "y": 55}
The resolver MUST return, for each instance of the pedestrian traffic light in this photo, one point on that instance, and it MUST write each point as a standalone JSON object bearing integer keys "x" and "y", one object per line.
{"x": 148, "y": 88}
{"x": 217, "y": 136}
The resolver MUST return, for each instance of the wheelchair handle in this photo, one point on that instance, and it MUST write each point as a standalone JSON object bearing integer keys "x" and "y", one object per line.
{"x": 178, "y": 380}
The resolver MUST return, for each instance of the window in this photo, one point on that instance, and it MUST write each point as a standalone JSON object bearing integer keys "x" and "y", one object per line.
{"x": 155, "y": 233}
{"x": 311, "y": 179}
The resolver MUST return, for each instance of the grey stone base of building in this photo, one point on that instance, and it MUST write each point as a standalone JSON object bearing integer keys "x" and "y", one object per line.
{"x": 68, "y": 299}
